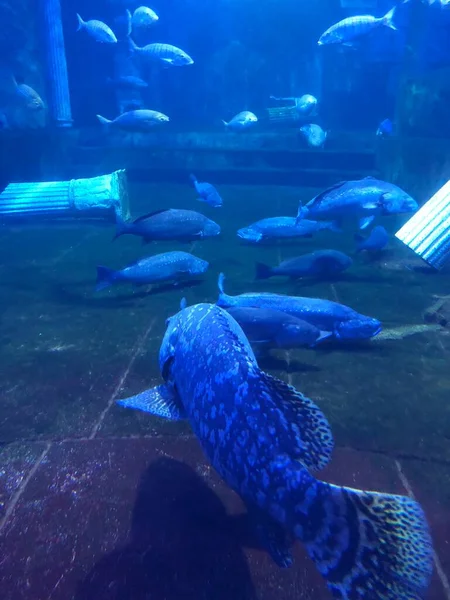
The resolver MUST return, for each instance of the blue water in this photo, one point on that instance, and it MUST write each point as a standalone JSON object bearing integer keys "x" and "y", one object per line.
{"x": 99, "y": 501}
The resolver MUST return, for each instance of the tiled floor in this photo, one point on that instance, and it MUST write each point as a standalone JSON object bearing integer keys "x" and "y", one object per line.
{"x": 104, "y": 503}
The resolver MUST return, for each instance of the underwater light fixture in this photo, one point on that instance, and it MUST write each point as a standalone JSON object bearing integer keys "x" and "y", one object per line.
{"x": 427, "y": 232}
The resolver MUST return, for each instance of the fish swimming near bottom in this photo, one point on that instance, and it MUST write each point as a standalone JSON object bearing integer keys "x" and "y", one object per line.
{"x": 277, "y": 228}
{"x": 344, "y": 322}
{"x": 314, "y": 135}
{"x": 276, "y": 329}
{"x": 206, "y": 192}
{"x": 362, "y": 199}
{"x": 169, "y": 224}
{"x": 242, "y": 120}
{"x": 321, "y": 263}
{"x": 168, "y": 266}
{"x": 385, "y": 128}
{"x": 265, "y": 439}
{"x": 377, "y": 239}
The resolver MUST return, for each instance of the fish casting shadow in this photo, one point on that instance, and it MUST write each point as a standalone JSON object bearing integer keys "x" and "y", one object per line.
{"x": 181, "y": 544}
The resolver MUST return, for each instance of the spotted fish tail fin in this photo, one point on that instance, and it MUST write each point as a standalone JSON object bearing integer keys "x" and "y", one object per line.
{"x": 223, "y": 300}
{"x": 366, "y": 544}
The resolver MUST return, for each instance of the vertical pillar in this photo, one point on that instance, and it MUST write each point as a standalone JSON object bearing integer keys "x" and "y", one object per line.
{"x": 58, "y": 84}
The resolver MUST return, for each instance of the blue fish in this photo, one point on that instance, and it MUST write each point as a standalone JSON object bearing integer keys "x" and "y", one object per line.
{"x": 275, "y": 228}
{"x": 168, "y": 266}
{"x": 321, "y": 263}
{"x": 276, "y": 329}
{"x": 326, "y": 315}
{"x": 376, "y": 240}
{"x": 385, "y": 128}
{"x": 265, "y": 438}
{"x": 127, "y": 82}
{"x": 206, "y": 192}
{"x": 169, "y": 224}
{"x": 362, "y": 199}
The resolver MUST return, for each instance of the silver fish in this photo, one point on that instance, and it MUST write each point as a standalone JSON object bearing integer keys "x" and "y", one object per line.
{"x": 306, "y": 105}
{"x": 349, "y": 29}
{"x": 98, "y": 30}
{"x": 314, "y": 135}
{"x": 136, "y": 120}
{"x": 143, "y": 17}
{"x": 242, "y": 120}
{"x": 165, "y": 53}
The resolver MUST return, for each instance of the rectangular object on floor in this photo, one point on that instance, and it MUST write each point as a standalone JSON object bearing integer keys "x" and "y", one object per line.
{"x": 96, "y": 198}
{"x": 427, "y": 232}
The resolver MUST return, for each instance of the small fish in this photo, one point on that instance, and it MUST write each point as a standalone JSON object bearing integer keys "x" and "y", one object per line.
{"x": 276, "y": 329}
{"x": 136, "y": 120}
{"x": 362, "y": 199}
{"x": 98, "y": 30}
{"x": 385, "y": 128}
{"x": 376, "y": 240}
{"x": 314, "y": 135}
{"x": 144, "y": 17}
{"x": 242, "y": 120}
{"x": 169, "y": 224}
{"x": 321, "y": 263}
{"x": 164, "y": 53}
{"x": 275, "y": 228}
{"x": 206, "y": 192}
{"x": 168, "y": 266}
{"x": 29, "y": 97}
{"x": 349, "y": 29}
{"x": 344, "y": 322}
{"x": 127, "y": 82}
{"x": 266, "y": 439}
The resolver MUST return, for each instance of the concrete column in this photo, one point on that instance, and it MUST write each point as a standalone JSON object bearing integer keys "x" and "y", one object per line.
{"x": 58, "y": 84}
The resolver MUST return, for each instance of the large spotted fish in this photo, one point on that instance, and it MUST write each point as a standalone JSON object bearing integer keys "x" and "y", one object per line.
{"x": 264, "y": 438}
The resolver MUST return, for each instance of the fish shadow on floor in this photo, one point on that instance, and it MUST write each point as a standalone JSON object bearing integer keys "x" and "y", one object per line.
{"x": 182, "y": 544}
{"x": 63, "y": 294}
{"x": 269, "y": 362}
{"x": 374, "y": 278}
{"x": 349, "y": 346}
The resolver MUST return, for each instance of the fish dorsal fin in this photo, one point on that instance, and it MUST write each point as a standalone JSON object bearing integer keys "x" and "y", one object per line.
{"x": 313, "y": 440}
{"x": 152, "y": 214}
{"x": 328, "y": 190}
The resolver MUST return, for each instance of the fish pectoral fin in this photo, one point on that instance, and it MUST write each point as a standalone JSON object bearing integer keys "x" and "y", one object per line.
{"x": 324, "y": 335}
{"x": 305, "y": 421}
{"x": 271, "y": 535}
{"x": 162, "y": 401}
{"x": 365, "y": 222}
